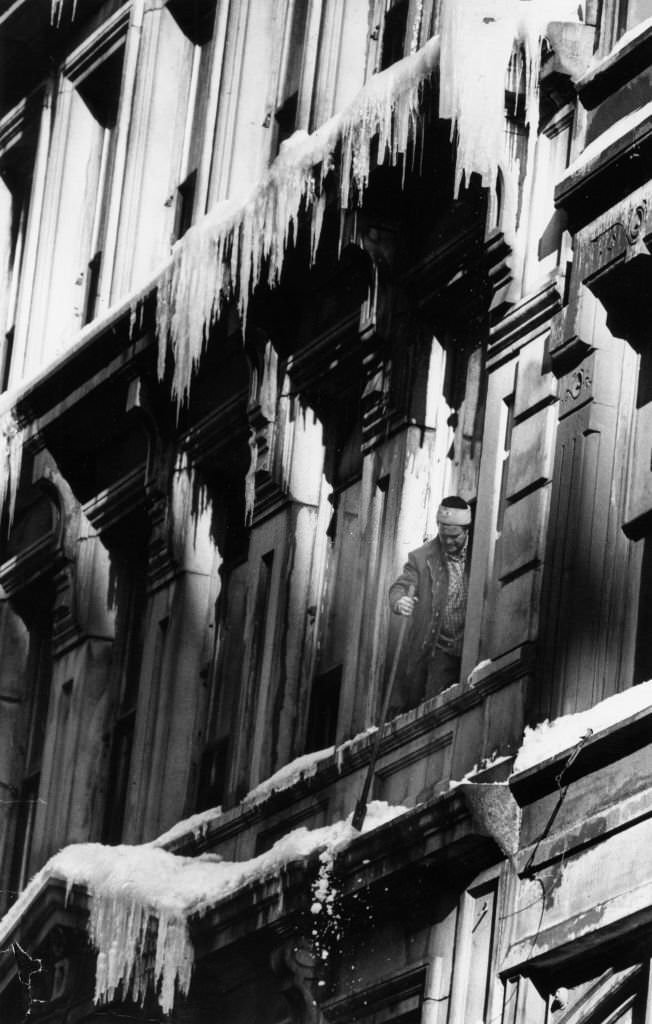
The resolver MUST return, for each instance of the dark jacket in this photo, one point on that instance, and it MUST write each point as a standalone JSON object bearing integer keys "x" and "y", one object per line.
{"x": 426, "y": 570}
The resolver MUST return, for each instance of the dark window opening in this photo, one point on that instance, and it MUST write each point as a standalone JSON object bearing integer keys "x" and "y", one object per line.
{"x": 39, "y": 677}
{"x": 185, "y": 205}
{"x": 394, "y": 34}
{"x": 324, "y": 708}
{"x": 92, "y": 287}
{"x": 261, "y": 611}
{"x": 27, "y": 802}
{"x": 131, "y": 598}
{"x": 119, "y": 764}
{"x": 5, "y": 359}
{"x": 212, "y": 774}
{"x": 643, "y": 651}
{"x": 286, "y": 118}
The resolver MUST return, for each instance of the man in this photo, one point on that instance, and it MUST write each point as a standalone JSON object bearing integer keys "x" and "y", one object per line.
{"x": 438, "y": 574}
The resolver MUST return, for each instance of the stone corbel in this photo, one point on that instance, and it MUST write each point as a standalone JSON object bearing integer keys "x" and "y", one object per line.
{"x": 571, "y": 51}
{"x": 611, "y": 263}
{"x": 299, "y": 971}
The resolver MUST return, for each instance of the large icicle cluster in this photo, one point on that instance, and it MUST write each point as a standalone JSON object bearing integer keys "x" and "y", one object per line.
{"x": 142, "y": 897}
{"x": 480, "y": 40}
{"x": 228, "y": 251}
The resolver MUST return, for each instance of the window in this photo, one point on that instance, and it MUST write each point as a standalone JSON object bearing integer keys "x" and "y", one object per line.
{"x": 632, "y": 13}
{"x": 17, "y": 153}
{"x": 195, "y": 19}
{"x": 225, "y": 689}
{"x": 324, "y": 707}
{"x": 37, "y": 688}
{"x": 166, "y": 173}
{"x": 130, "y": 596}
{"x": 290, "y": 73}
{"x": 77, "y": 193}
{"x": 394, "y": 31}
{"x": 100, "y": 91}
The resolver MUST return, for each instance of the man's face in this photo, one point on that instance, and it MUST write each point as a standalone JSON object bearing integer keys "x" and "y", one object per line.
{"x": 453, "y": 538}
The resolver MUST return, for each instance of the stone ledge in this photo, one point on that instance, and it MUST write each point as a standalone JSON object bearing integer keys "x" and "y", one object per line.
{"x": 399, "y": 732}
{"x": 616, "y": 69}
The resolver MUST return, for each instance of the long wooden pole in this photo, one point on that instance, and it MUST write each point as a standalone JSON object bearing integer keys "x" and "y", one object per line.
{"x": 360, "y": 811}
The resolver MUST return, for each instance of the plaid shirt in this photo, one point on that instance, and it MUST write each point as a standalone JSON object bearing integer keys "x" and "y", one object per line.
{"x": 454, "y": 612}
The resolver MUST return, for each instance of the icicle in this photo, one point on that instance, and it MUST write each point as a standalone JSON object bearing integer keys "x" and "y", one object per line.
{"x": 250, "y": 479}
{"x": 269, "y": 383}
{"x": 56, "y": 11}
{"x": 478, "y": 39}
{"x": 118, "y": 925}
{"x": 11, "y": 454}
{"x": 224, "y": 255}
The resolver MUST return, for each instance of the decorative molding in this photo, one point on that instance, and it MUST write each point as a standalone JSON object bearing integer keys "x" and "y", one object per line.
{"x": 118, "y": 501}
{"x": 299, "y": 971}
{"x": 525, "y": 321}
{"x": 576, "y": 387}
{"x": 213, "y": 437}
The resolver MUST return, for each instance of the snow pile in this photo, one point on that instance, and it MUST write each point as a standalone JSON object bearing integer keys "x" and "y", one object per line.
{"x": 141, "y": 899}
{"x": 551, "y": 738}
{"x": 481, "y": 41}
{"x": 11, "y": 454}
{"x": 239, "y": 244}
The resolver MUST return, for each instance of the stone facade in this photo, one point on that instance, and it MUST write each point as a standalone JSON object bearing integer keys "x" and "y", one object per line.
{"x": 194, "y": 594}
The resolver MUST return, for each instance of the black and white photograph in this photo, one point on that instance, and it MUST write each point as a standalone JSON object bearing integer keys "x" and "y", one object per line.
{"x": 325, "y": 511}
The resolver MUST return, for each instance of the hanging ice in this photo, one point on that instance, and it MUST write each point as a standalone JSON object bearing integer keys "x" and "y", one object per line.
{"x": 480, "y": 39}
{"x": 225, "y": 254}
{"x": 142, "y": 897}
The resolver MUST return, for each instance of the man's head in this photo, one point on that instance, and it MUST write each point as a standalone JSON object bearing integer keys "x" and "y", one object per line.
{"x": 454, "y": 521}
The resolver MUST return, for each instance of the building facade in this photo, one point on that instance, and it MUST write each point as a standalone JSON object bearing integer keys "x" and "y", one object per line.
{"x": 277, "y": 275}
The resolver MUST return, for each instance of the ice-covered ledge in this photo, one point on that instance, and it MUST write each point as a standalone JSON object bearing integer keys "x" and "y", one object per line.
{"x": 308, "y": 776}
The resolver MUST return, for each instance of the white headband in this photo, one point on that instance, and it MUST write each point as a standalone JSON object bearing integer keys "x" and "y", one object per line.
{"x": 447, "y": 516}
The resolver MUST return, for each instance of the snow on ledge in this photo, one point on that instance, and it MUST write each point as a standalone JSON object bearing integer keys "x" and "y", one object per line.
{"x": 197, "y": 824}
{"x": 128, "y": 886}
{"x": 551, "y": 738}
{"x": 302, "y": 767}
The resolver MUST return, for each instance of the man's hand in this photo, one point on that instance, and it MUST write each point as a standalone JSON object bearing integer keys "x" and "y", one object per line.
{"x": 405, "y": 605}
